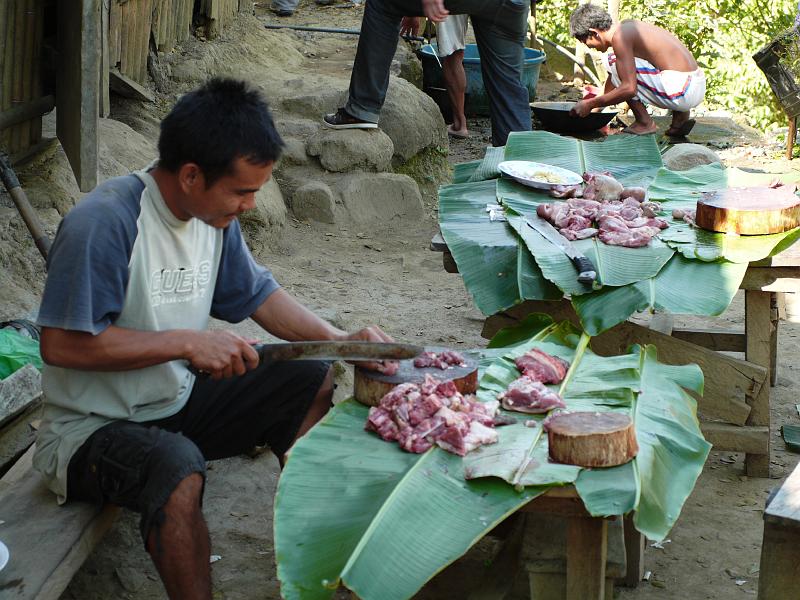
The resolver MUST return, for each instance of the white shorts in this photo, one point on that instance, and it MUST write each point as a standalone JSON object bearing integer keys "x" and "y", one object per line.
{"x": 673, "y": 90}
{"x": 451, "y": 35}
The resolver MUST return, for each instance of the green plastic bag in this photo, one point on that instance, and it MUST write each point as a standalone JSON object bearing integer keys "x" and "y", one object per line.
{"x": 16, "y": 351}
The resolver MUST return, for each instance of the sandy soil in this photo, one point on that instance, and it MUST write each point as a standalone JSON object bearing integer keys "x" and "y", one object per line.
{"x": 354, "y": 278}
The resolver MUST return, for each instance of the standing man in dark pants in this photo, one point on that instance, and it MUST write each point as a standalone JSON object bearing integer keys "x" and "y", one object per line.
{"x": 500, "y": 27}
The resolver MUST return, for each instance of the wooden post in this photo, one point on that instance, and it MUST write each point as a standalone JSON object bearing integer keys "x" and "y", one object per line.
{"x": 587, "y": 549}
{"x": 634, "y": 553}
{"x": 758, "y": 329}
{"x": 790, "y": 137}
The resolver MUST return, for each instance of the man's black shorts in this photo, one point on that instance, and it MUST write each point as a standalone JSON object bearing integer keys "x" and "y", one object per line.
{"x": 138, "y": 465}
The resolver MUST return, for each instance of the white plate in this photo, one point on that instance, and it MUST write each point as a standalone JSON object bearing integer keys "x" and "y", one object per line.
{"x": 3, "y": 555}
{"x": 538, "y": 175}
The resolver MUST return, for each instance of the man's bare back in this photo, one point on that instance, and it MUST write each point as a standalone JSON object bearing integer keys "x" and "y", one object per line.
{"x": 657, "y": 46}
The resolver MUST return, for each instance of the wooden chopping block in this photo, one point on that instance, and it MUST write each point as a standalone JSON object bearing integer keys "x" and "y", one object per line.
{"x": 370, "y": 386}
{"x": 749, "y": 211}
{"x": 591, "y": 439}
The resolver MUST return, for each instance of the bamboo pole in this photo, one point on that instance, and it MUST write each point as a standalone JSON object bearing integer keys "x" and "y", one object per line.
{"x": 19, "y": 69}
{"x": 124, "y": 30}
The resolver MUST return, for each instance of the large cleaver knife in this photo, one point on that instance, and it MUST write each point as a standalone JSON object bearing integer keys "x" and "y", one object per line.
{"x": 587, "y": 273}
{"x": 345, "y": 350}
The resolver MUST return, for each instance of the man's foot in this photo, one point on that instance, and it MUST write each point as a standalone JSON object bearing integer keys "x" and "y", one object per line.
{"x": 680, "y": 130}
{"x": 638, "y": 128}
{"x": 457, "y": 133}
{"x": 341, "y": 119}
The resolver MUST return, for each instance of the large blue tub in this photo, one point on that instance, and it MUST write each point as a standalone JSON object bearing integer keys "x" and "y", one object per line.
{"x": 476, "y": 101}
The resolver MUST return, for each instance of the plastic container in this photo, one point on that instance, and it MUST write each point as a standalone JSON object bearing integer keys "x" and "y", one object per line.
{"x": 476, "y": 102}
{"x": 780, "y": 62}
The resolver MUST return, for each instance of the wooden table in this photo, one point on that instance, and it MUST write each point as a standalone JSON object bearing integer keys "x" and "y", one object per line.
{"x": 736, "y": 396}
{"x": 779, "y": 575}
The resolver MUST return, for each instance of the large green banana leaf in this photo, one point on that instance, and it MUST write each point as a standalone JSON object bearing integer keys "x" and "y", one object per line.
{"x": 353, "y": 509}
{"x": 682, "y": 189}
{"x": 683, "y": 286}
{"x": 671, "y": 448}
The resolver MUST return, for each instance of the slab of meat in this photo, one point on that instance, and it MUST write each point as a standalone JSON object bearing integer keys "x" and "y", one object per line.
{"x": 530, "y": 396}
{"x": 541, "y": 366}
{"x": 601, "y": 187}
{"x": 434, "y": 412}
{"x": 443, "y": 360}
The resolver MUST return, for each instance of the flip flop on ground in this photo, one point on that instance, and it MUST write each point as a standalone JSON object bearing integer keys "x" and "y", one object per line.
{"x": 456, "y": 134}
{"x": 631, "y": 132}
{"x": 682, "y": 130}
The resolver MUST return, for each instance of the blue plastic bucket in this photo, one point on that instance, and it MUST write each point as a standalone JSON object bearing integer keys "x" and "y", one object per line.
{"x": 476, "y": 101}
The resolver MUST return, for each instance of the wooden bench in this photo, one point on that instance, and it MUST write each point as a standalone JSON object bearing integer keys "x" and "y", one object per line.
{"x": 779, "y": 574}
{"x": 47, "y": 543}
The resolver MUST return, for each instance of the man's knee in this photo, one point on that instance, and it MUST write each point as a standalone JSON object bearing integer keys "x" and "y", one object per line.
{"x": 187, "y": 495}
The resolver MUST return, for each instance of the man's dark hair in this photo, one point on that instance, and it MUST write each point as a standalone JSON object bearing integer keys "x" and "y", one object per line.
{"x": 214, "y": 125}
{"x": 586, "y": 17}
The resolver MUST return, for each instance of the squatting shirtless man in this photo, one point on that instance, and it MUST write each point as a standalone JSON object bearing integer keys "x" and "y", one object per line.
{"x": 647, "y": 65}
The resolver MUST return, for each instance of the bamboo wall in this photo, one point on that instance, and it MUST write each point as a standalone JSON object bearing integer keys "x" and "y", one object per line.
{"x": 21, "y": 29}
{"x": 132, "y": 21}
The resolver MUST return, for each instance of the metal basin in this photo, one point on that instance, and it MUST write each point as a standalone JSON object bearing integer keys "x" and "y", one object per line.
{"x": 554, "y": 116}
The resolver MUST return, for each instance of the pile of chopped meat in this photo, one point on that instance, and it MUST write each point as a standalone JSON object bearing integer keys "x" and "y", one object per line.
{"x": 443, "y": 360}
{"x": 618, "y": 216}
{"x": 528, "y": 393}
{"x": 434, "y": 412}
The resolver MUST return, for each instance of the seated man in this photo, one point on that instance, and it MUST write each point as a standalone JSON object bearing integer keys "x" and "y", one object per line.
{"x": 500, "y": 30}
{"x": 648, "y": 64}
{"x": 135, "y": 271}
{"x": 451, "y": 35}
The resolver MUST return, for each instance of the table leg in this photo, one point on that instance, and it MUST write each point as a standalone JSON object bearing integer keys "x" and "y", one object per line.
{"x": 790, "y": 137}
{"x": 775, "y": 318}
{"x": 779, "y": 576}
{"x": 758, "y": 326}
{"x": 587, "y": 548}
{"x": 634, "y": 553}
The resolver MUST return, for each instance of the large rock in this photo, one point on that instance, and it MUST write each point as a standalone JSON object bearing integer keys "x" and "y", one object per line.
{"x": 122, "y": 149}
{"x": 264, "y": 223}
{"x": 685, "y": 156}
{"x": 412, "y": 120}
{"x": 315, "y": 202}
{"x": 351, "y": 149}
{"x": 381, "y": 200}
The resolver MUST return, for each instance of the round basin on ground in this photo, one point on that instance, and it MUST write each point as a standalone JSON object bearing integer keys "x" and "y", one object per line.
{"x": 554, "y": 116}
{"x": 476, "y": 101}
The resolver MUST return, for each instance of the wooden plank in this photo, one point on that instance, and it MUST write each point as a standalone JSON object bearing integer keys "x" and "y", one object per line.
{"x": 779, "y": 572}
{"x": 6, "y": 75}
{"x": 788, "y": 258}
{"x": 772, "y": 279}
{"x": 37, "y": 90}
{"x": 47, "y": 542}
{"x": 784, "y": 508}
{"x": 758, "y": 324}
{"x": 18, "y": 391}
{"x": 662, "y": 322}
{"x": 735, "y": 438}
{"x": 720, "y": 340}
{"x": 78, "y": 80}
{"x": 774, "y": 317}
{"x": 18, "y": 60}
{"x": 587, "y": 549}
{"x": 125, "y": 86}
{"x": 17, "y": 436}
{"x": 634, "y": 553}
{"x": 125, "y": 25}
{"x": 114, "y": 34}
{"x": 105, "y": 56}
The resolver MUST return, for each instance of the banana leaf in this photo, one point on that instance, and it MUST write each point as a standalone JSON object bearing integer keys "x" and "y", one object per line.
{"x": 672, "y": 449}
{"x": 488, "y": 166}
{"x": 485, "y": 251}
{"x": 633, "y": 160}
{"x": 352, "y": 509}
{"x": 683, "y": 286}
{"x": 462, "y": 172}
{"x": 682, "y": 189}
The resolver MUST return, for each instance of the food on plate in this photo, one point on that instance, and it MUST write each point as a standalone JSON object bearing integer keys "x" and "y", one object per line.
{"x": 527, "y": 395}
{"x": 417, "y": 416}
{"x": 442, "y": 360}
{"x": 547, "y": 176}
{"x": 541, "y": 366}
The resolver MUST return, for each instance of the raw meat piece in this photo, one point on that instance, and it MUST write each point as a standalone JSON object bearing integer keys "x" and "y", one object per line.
{"x": 541, "y": 366}
{"x": 419, "y": 416}
{"x": 601, "y": 187}
{"x": 389, "y": 367}
{"x": 443, "y": 360}
{"x": 530, "y": 396}
{"x": 581, "y": 234}
{"x": 565, "y": 191}
{"x": 637, "y": 193}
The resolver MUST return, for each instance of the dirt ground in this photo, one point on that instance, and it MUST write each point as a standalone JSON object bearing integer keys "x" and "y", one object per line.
{"x": 355, "y": 278}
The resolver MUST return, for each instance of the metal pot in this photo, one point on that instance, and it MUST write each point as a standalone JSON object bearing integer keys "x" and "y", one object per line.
{"x": 554, "y": 116}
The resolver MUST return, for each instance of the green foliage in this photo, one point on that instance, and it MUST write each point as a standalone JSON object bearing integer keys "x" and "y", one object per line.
{"x": 723, "y": 35}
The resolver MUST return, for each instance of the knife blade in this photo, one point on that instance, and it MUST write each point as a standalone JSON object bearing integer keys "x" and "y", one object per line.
{"x": 587, "y": 273}
{"x": 344, "y": 350}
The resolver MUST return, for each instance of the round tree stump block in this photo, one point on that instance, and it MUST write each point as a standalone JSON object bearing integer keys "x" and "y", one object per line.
{"x": 370, "y": 386}
{"x": 749, "y": 211}
{"x": 591, "y": 439}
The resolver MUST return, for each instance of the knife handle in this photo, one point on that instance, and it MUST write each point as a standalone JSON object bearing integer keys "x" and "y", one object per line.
{"x": 586, "y": 270}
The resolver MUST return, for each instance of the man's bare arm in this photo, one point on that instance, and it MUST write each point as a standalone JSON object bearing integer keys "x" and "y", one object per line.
{"x": 220, "y": 353}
